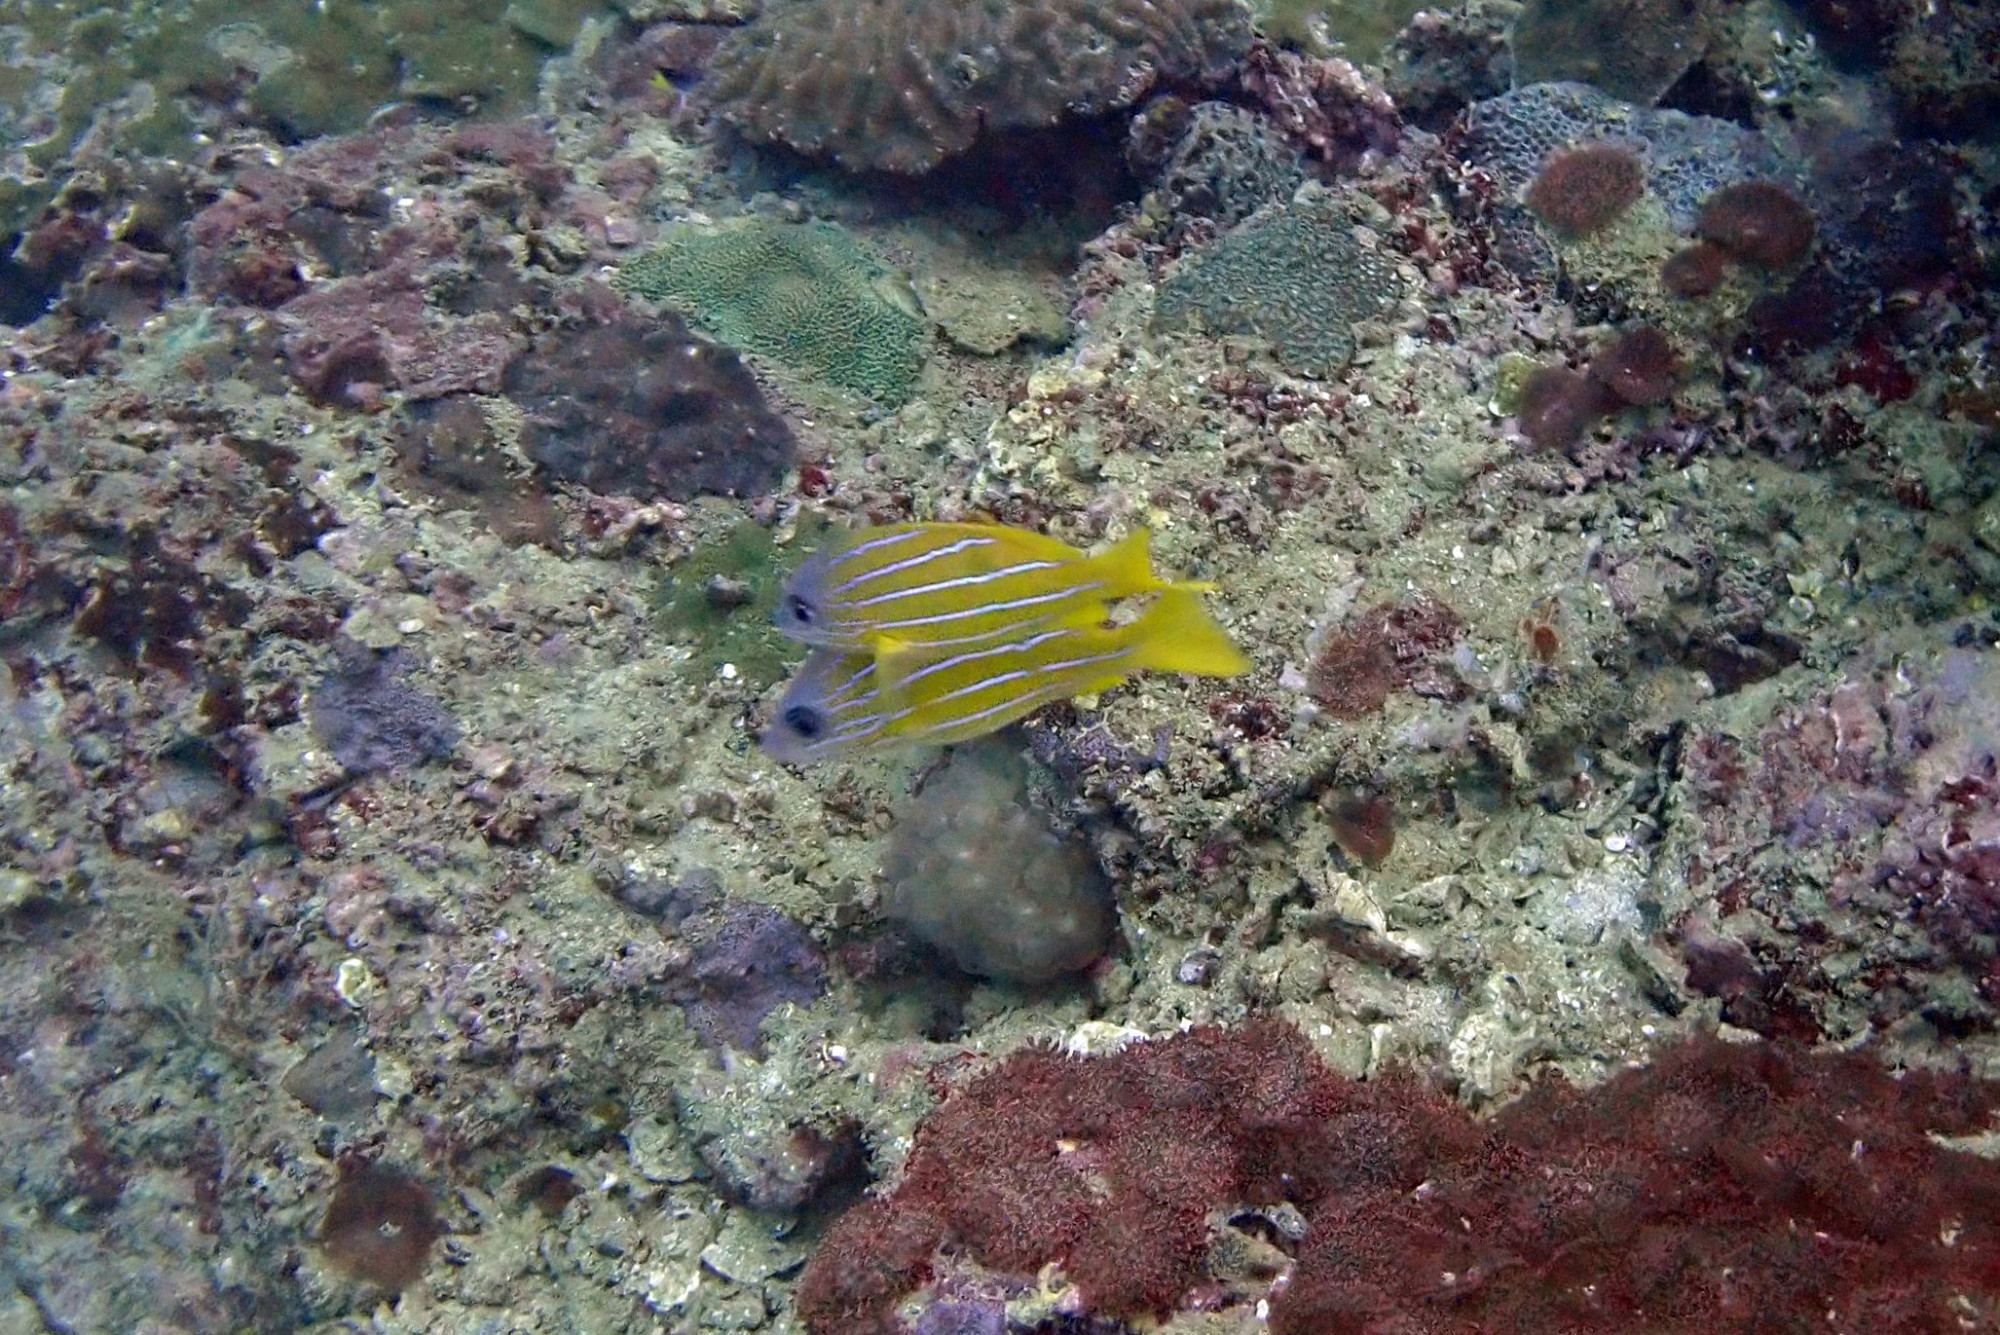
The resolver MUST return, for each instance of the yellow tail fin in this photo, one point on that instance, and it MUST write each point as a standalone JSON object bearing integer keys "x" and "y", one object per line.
{"x": 1178, "y": 635}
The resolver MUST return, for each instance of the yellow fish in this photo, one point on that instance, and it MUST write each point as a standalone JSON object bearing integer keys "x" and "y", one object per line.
{"x": 902, "y": 587}
{"x": 839, "y": 706}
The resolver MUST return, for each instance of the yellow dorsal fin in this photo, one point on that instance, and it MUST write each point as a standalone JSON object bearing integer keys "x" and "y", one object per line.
{"x": 1127, "y": 565}
{"x": 1178, "y": 635}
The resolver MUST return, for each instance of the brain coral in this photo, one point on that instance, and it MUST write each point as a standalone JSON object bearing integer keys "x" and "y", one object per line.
{"x": 808, "y": 296}
{"x": 1293, "y": 274}
{"x": 900, "y": 85}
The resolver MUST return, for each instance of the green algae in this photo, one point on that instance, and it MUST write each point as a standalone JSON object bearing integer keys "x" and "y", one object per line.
{"x": 719, "y": 600}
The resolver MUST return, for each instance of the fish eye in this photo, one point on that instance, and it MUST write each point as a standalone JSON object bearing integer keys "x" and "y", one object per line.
{"x": 806, "y": 721}
{"x": 798, "y": 609}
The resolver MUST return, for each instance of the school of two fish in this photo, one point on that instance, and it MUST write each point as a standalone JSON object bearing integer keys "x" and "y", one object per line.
{"x": 939, "y": 633}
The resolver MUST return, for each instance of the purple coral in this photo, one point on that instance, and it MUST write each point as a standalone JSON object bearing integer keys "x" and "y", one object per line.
{"x": 372, "y": 722}
{"x": 645, "y": 408}
{"x": 745, "y": 960}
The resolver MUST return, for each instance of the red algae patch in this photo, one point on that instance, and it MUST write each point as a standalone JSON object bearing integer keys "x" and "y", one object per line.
{"x": 1584, "y": 189}
{"x": 380, "y": 1227}
{"x": 1757, "y": 222}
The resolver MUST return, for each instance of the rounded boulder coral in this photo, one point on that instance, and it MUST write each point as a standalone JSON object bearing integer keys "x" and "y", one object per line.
{"x": 901, "y": 85}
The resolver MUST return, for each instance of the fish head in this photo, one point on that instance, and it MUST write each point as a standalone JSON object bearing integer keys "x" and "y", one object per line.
{"x": 796, "y": 734}
{"x": 803, "y": 603}
{"x": 831, "y": 708}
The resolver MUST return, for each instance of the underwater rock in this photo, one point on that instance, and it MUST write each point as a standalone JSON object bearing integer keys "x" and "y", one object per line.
{"x": 1631, "y": 50}
{"x": 976, "y": 871}
{"x": 745, "y": 960}
{"x": 901, "y": 85}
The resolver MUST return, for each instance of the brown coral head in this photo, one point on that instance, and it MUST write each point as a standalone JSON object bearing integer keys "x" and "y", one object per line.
{"x": 380, "y": 1226}
{"x": 1639, "y": 366}
{"x": 1757, "y": 222}
{"x": 1694, "y": 271}
{"x": 1558, "y": 405}
{"x": 1584, "y": 189}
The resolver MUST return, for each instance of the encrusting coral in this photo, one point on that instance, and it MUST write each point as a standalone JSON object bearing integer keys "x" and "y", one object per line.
{"x": 808, "y": 296}
{"x": 901, "y": 85}
{"x": 1721, "y": 1188}
{"x": 1292, "y": 274}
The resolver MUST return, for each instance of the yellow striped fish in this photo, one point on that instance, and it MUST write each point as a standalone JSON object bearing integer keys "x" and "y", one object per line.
{"x": 839, "y": 706}
{"x": 901, "y": 586}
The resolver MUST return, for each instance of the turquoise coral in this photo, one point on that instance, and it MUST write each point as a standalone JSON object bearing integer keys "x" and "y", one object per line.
{"x": 808, "y": 296}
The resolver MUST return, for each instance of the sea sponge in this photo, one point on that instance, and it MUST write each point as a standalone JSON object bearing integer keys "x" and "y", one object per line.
{"x": 1292, "y": 274}
{"x": 900, "y": 85}
{"x": 1758, "y": 222}
{"x": 1639, "y": 366}
{"x": 1694, "y": 271}
{"x": 808, "y": 296}
{"x": 1557, "y": 406}
{"x": 1584, "y": 189}
{"x": 974, "y": 870}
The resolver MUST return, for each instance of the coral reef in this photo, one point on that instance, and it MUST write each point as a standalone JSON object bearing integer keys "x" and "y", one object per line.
{"x": 808, "y": 296}
{"x": 901, "y": 85}
{"x": 1292, "y": 275}
{"x": 645, "y": 408}
{"x": 1687, "y": 158}
{"x": 1714, "y": 1188}
{"x": 974, "y": 870}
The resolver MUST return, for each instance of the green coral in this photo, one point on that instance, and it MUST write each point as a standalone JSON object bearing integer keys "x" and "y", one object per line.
{"x": 1293, "y": 275}
{"x": 808, "y": 296}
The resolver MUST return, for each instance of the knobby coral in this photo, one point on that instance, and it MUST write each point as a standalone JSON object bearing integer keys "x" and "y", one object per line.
{"x": 1720, "y": 1188}
{"x": 900, "y": 85}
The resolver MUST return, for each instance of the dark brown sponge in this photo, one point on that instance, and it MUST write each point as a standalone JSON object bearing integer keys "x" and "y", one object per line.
{"x": 900, "y": 85}
{"x": 1758, "y": 223}
{"x": 1583, "y": 189}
